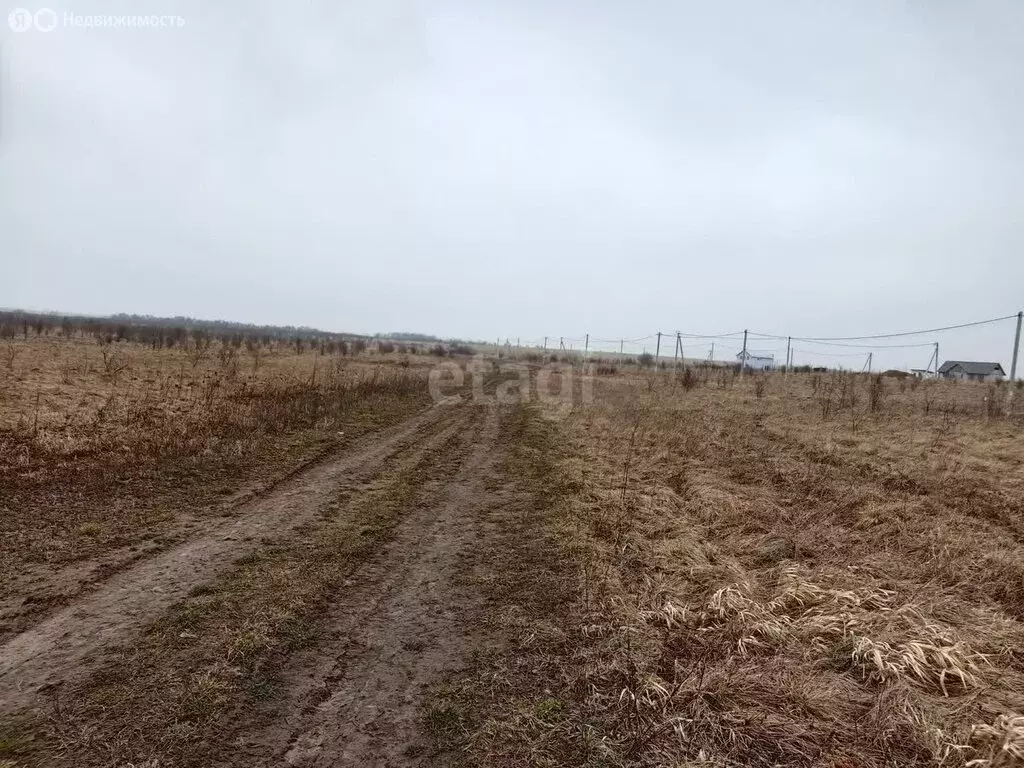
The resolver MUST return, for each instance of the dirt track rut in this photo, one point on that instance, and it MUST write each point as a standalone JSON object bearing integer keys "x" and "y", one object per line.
{"x": 59, "y": 648}
{"x": 406, "y": 620}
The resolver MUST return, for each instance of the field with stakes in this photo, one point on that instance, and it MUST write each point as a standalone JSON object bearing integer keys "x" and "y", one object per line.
{"x": 237, "y": 546}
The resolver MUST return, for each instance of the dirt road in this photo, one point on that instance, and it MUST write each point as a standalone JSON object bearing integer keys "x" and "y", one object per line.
{"x": 60, "y": 647}
{"x": 403, "y": 620}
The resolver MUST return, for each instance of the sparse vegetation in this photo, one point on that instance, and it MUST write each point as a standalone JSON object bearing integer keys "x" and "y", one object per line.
{"x": 699, "y": 568}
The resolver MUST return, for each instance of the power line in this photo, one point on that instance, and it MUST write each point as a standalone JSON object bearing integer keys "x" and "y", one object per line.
{"x": 860, "y": 346}
{"x": 626, "y": 341}
{"x": 893, "y": 335}
{"x": 707, "y": 335}
{"x": 829, "y": 354}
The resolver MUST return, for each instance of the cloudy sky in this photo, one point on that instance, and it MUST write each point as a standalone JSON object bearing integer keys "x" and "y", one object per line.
{"x": 485, "y": 169}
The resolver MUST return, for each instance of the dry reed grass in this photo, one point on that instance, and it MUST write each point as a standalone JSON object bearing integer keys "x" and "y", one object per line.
{"x": 825, "y": 574}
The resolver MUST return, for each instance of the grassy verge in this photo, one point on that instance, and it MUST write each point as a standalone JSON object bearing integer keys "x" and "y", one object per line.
{"x": 211, "y": 665}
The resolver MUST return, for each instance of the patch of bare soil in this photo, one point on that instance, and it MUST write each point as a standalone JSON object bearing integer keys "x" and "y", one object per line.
{"x": 406, "y": 620}
{"x": 61, "y": 647}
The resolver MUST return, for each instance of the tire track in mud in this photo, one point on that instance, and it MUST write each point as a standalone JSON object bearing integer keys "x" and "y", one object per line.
{"x": 405, "y": 621}
{"x": 60, "y": 647}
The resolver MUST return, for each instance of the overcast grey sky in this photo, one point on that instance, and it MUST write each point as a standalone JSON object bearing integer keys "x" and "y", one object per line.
{"x": 533, "y": 168}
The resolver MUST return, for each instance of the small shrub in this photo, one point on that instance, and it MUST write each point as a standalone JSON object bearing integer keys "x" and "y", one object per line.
{"x": 687, "y": 379}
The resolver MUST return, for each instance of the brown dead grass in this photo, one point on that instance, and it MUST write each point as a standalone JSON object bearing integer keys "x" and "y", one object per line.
{"x": 819, "y": 575}
{"x": 105, "y": 462}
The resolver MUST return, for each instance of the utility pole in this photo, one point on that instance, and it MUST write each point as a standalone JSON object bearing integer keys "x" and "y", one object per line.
{"x": 936, "y": 359}
{"x": 743, "y": 355}
{"x": 712, "y": 357}
{"x": 789, "y": 344}
{"x": 545, "y": 343}
{"x": 1016, "y": 348}
{"x": 586, "y": 348}
{"x": 620, "y": 347}
{"x": 870, "y": 356}
{"x": 679, "y": 345}
{"x": 657, "y": 351}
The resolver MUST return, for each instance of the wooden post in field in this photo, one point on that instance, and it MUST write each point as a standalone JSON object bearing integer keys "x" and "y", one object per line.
{"x": 657, "y": 351}
{"x": 1016, "y": 348}
{"x": 586, "y": 348}
{"x": 789, "y": 345}
{"x": 743, "y": 356}
{"x": 679, "y": 346}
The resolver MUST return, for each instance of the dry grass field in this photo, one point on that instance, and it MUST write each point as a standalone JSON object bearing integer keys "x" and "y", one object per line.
{"x": 111, "y": 451}
{"x": 814, "y": 570}
{"x": 288, "y": 558}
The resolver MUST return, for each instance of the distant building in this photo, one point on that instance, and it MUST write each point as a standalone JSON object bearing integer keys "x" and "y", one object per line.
{"x": 757, "y": 362}
{"x": 973, "y": 371}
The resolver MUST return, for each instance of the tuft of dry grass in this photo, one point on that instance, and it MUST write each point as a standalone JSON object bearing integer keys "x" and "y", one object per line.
{"x": 1001, "y": 743}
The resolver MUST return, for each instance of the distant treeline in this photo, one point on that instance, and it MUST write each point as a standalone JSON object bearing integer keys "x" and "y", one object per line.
{"x": 197, "y": 335}
{"x": 160, "y": 331}
{"x": 406, "y": 336}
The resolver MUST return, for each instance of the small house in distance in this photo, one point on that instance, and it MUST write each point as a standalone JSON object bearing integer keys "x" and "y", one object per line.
{"x": 756, "y": 362}
{"x": 971, "y": 370}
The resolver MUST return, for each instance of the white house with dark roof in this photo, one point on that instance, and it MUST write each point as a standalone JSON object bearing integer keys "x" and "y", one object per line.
{"x": 971, "y": 370}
